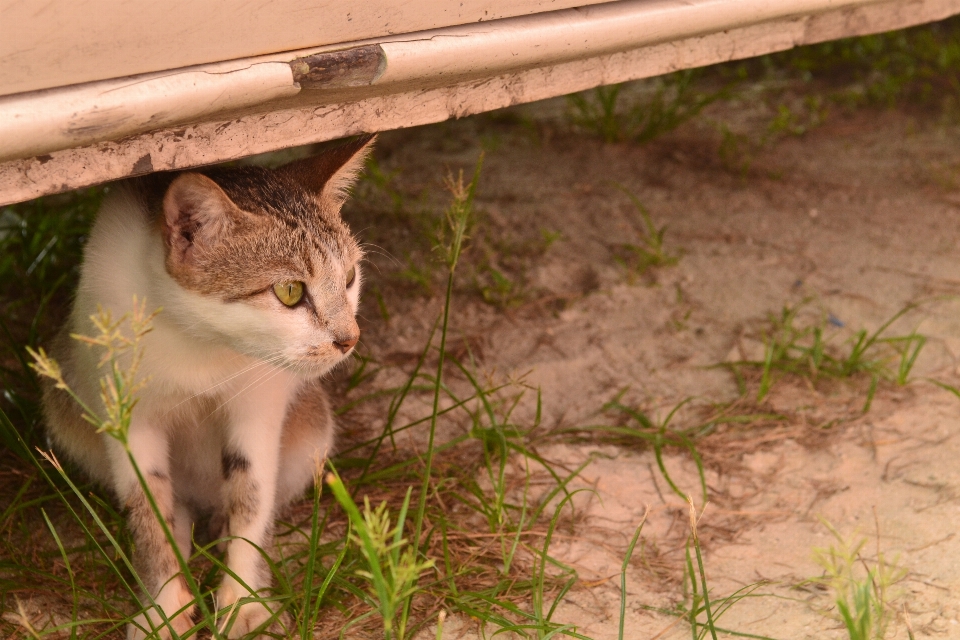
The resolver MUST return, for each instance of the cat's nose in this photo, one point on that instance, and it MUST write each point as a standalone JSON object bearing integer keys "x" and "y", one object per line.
{"x": 346, "y": 343}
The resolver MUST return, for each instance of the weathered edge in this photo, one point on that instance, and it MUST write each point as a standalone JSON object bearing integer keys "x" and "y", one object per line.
{"x": 211, "y": 142}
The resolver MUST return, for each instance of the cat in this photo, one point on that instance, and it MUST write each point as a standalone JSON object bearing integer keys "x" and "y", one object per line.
{"x": 259, "y": 280}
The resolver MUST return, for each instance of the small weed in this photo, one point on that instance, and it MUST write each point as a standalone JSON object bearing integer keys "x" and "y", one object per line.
{"x": 650, "y": 252}
{"x": 699, "y": 607}
{"x": 549, "y": 237}
{"x": 698, "y": 599}
{"x": 496, "y": 288}
{"x": 796, "y": 123}
{"x": 861, "y": 588}
{"x": 670, "y": 101}
{"x": 393, "y": 569}
{"x": 418, "y": 274}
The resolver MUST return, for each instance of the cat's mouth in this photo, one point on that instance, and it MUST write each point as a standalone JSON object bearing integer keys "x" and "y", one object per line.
{"x": 322, "y": 358}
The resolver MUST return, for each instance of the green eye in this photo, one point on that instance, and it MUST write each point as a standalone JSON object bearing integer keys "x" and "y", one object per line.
{"x": 351, "y": 276}
{"x": 289, "y": 293}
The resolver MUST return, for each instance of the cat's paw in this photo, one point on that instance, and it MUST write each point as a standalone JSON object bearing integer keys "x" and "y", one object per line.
{"x": 173, "y": 598}
{"x": 251, "y": 617}
{"x": 247, "y": 618}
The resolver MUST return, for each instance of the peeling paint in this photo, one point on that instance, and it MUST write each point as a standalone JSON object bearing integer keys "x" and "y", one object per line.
{"x": 142, "y": 166}
{"x": 355, "y": 67}
{"x": 48, "y": 121}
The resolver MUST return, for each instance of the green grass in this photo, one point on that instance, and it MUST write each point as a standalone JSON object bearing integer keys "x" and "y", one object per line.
{"x": 394, "y": 567}
{"x": 918, "y": 66}
{"x": 802, "y": 348}
{"x": 663, "y": 105}
{"x": 40, "y": 248}
{"x": 863, "y": 589}
{"x": 913, "y": 69}
{"x": 638, "y": 258}
{"x": 700, "y": 608}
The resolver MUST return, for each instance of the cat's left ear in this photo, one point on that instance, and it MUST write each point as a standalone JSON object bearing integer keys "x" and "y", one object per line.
{"x": 330, "y": 174}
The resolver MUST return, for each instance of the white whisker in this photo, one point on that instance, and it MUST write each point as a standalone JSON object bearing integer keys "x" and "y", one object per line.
{"x": 381, "y": 251}
{"x": 266, "y": 362}
{"x": 270, "y": 373}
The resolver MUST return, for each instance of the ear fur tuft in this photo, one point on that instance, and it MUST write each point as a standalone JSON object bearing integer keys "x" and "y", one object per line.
{"x": 330, "y": 174}
{"x": 196, "y": 212}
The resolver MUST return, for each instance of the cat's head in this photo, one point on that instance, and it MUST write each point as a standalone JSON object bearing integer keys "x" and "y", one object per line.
{"x": 265, "y": 262}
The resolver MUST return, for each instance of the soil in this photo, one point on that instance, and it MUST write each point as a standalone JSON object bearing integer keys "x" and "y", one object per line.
{"x": 853, "y": 221}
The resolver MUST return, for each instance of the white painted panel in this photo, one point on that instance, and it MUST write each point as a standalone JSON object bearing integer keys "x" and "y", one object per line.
{"x": 51, "y": 43}
{"x": 34, "y": 123}
{"x": 487, "y": 48}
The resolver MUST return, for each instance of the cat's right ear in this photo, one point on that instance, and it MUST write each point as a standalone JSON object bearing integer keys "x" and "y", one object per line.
{"x": 330, "y": 174}
{"x": 196, "y": 214}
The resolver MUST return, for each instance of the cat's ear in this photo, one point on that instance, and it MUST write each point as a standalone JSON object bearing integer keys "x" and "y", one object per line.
{"x": 196, "y": 214}
{"x": 330, "y": 174}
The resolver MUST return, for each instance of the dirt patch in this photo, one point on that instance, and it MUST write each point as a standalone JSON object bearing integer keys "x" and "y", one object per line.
{"x": 855, "y": 219}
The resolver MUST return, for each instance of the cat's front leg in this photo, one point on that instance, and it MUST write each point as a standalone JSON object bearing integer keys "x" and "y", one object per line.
{"x": 249, "y": 462}
{"x": 153, "y": 556}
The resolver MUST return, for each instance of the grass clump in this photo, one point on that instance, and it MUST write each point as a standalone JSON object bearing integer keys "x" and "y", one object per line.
{"x": 802, "y": 349}
{"x": 393, "y": 568}
{"x": 650, "y": 252}
{"x": 700, "y": 608}
{"x": 786, "y": 94}
{"x": 41, "y": 243}
{"x": 919, "y": 66}
{"x": 861, "y": 587}
{"x": 663, "y": 104}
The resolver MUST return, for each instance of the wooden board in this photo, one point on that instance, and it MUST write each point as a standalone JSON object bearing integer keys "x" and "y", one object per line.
{"x": 55, "y": 43}
{"x": 317, "y": 116}
{"x": 41, "y": 122}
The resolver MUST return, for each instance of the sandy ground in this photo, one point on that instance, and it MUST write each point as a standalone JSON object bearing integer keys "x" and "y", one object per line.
{"x": 860, "y": 215}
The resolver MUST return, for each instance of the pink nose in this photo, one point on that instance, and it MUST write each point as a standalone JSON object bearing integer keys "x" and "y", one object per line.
{"x": 346, "y": 344}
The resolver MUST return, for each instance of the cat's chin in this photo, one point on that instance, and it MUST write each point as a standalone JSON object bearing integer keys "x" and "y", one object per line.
{"x": 311, "y": 368}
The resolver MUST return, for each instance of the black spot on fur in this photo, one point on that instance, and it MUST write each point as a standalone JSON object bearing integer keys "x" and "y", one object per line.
{"x": 231, "y": 462}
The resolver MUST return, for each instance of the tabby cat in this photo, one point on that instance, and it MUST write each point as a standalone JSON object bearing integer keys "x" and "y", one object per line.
{"x": 259, "y": 280}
